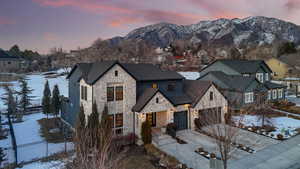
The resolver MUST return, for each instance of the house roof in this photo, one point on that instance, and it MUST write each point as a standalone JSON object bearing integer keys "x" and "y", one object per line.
{"x": 242, "y": 66}
{"x": 149, "y": 93}
{"x": 145, "y": 72}
{"x": 144, "y": 99}
{"x": 271, "y": 85}
{"x": 196, "y": 89}
{"x": 5, "y": 55}
{"x": 236, "y": 82}
{"x": 141, "y": 72}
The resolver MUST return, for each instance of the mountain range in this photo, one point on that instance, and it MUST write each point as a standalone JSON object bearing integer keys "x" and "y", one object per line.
{"x": 256, "y": 30}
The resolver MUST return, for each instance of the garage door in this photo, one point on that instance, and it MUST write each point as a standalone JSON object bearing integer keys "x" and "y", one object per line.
{"x": 180, "y": 119}
{"x": 210, "y": 116}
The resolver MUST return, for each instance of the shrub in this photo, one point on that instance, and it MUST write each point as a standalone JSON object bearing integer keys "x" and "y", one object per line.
{"x": 198, "y": 123}
{"x": 279, "y": 136}
{"x": 228, "y": 118}
{"x": 212, "y": 155}
{"x": 171, "y": 129}
{"x": 146, "y": 132}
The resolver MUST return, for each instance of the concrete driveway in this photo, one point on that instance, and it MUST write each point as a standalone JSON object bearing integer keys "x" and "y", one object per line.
{"x": 185, "y": 153}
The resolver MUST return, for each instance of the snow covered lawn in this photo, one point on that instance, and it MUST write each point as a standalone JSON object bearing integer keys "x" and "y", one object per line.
{"x": 283, "y": 125}
{"x": 44, "y": 165}
{"x": 37, "y": 82}
{"x": 29, "y": 141}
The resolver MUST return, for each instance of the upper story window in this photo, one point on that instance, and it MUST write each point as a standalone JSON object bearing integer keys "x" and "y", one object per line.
{"x": 110, "y": 94}
{"x": 83, "y": 93}
{"x": 267, "y": 77}
{"x": 154, "y": 86}
{"x": 115, "y": 93}
{"x": 8, "y": 62}
{"x": 274, "y": 94}
{"x": 249, "y": 97}
{"x": 171, "y": 87}
{"x": 119, "y": 93}
{"x": 211, "y": 96}
{"x": 260, "y": 77}
{"x": 246, "y": 75}
{"x": 157, "y": 100}
{"x": 116, "y": 73}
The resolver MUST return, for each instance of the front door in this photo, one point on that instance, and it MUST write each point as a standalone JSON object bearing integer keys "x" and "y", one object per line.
{"x": 180, "y": 119}
{"x": 151, "y": 117}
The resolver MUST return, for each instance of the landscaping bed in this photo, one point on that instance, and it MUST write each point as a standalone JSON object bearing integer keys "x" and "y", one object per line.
{"x": 279, "y": 128}
{"x": 206, "y": 154}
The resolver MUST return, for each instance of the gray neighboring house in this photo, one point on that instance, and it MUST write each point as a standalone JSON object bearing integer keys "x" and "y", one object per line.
{"x": 9, "y": 63}
{"x": 242, "y": 80}
{"x": 136, "y": 92}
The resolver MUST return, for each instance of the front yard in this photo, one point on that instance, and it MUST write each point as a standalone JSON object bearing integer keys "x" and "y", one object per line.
{"x": 277, "y": 125}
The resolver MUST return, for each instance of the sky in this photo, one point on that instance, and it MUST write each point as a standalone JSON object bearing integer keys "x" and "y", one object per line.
{"x": 43, "y": 24}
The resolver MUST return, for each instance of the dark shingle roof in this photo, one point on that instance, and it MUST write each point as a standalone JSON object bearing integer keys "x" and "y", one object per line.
{"x": 98, "y": 69}
{"x": 5, "y": 55}
{"x": 145, "y": 72}
{"x": 236, "y": 82}
{"x": 195, "y": 89}
{"x": 141, "y": 72}
{"x": 271, "y": 85}
{"x": 243, "y": 66}
{"x": 144, "y": 99}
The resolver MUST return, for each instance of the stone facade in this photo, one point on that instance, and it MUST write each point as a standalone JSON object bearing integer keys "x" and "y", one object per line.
{"x": 205, "y": 103}
{"x": 99, "y": 93}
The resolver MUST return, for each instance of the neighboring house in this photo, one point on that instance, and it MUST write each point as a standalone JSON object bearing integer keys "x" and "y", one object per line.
{"x": 279, "y": 68}
{"x": 136, "y": 92}
{"x": 9, "y": 63}
{"x": 242, "y": 80}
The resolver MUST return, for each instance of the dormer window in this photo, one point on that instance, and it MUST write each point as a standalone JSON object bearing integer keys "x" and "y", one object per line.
{"x": 154, "y": 86}
{"x": 116, "y": 73}
{"x": 171, "y": 87}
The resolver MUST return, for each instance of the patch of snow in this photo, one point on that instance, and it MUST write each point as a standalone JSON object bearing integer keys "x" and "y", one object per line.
{"x": 29, "y": 141}
{"x": 283, "y": 125}
{"x": 37, "y": 82}
{"x": 190, "y": 75}
{"x": 44, "y": 165}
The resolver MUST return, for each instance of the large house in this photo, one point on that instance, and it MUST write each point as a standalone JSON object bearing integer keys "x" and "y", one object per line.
{"x": 9, "y": 63}
{"x": 242, "y": 81}
{"x": 136, "y": 92}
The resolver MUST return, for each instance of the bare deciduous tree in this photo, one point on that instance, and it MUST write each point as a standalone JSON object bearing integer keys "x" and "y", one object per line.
{"x": 102, "y": 155}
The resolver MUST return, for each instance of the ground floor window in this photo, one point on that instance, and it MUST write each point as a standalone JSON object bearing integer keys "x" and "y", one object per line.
{"x": 151, "y": 117}
{"x": 249, "y": 97}
{"x": 269, "y": 95}
{"x": 280, "y": 93}
{"x": 117, "y": 123}
{"x": 275, "y": 94}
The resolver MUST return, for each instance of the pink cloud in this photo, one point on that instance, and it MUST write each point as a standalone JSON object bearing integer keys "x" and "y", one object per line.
{"x": 6, "y": 21}
{"x": 49, "y": 36}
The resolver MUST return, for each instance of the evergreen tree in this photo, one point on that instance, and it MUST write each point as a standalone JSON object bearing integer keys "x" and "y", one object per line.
{"x": 15, "y": 51}
{"x": 55, "y": 101}
{"x": 81, "y": 124}
{"x": 2, "y": 156}
{"x": 24, "y": 95}
{"x": 93, "y": 120}
{"x": 10, "y": 101}
{"x": 46, "y": 99}
{"x": 146, "y": 132}
{"x": 105, "y": 128}
{"x": 93, "y": 127}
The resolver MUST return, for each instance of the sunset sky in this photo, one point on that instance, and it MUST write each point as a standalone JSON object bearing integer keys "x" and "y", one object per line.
{"x": 43, "y": 24}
